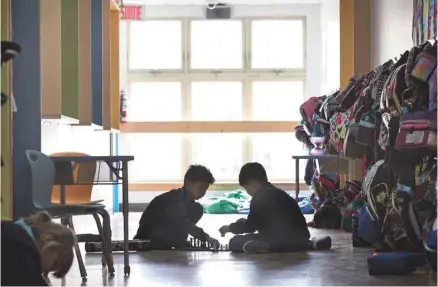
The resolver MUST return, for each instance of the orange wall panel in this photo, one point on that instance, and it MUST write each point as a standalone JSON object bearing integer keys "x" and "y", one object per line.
{"x": 50, "y": 51}
{"x": 115, "y": 75}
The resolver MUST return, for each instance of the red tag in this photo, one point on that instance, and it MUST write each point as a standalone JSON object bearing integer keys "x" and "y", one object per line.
{"x": 131, "y": 12}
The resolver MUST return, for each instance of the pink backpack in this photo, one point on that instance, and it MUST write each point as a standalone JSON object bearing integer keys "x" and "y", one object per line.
{"x": 307, "y": 110}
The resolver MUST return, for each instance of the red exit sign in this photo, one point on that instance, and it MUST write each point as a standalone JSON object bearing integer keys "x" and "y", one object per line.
{"x": 132, "y": 12}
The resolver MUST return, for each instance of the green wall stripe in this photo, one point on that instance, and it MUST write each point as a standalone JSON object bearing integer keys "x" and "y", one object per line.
{"x": 69, "y": 58}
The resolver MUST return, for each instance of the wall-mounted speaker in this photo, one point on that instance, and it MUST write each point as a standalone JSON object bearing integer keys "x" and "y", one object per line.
{"x": 218, "y": 11}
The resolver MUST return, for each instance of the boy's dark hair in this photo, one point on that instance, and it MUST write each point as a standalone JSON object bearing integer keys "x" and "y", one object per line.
{"x": 252, "y": 171}
{"x": 199, "y": 173}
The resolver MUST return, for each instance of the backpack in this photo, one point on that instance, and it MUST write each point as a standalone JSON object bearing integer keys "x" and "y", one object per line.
{"x": 369, "y": 123}
{"x": 395, "y": 86}
{"x": 376, "y": 188}
{"x": 351, "y": 101}
{"x": 347, "y": 217}
{"x": 369, "y": 230}
{"x": 327, "y": 216}
{"x": 429, "y": 233}
{"x": 422, "y": 78}
{"x": 307, "y": 111}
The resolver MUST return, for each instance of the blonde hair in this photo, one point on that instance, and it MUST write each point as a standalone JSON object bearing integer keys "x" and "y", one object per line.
{"x": 55, "y": 243}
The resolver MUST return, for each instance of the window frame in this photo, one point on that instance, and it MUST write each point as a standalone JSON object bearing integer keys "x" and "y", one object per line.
{"x": 186, "y": 76}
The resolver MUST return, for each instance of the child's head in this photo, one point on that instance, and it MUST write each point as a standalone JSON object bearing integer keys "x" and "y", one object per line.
{"x": 252, "y": 175}
{"x": 55, "y": 243}
{"x": 197, "y": 180}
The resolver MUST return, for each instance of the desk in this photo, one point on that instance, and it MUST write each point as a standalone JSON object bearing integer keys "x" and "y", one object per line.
{"x": 297, "y": 167}
{"x": 64, "y": 163}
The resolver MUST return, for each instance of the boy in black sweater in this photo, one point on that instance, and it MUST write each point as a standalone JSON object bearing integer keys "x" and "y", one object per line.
{"x": 172, "y": 216}
{"x": 274, "y": 214}
{"x": 33, "y": 247}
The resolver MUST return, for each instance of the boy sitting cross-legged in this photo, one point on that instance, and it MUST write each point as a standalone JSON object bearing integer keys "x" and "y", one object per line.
{"x": 172, "y": 216}
{"x": 274, "y": 214}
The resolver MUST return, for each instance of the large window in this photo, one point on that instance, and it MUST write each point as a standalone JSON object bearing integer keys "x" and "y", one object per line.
{"x": 216, "y": 101}
{"x": 273, "y": 100}
{"x": 154, "y": 101}
{"x": 155, "y": 45}
{"x": 277, "y": 44}
{"x": 216, "y": 45}
{"x": 157, "y": 157}
{"x": 222, "y": 153}
{"x": 214, "y": 92}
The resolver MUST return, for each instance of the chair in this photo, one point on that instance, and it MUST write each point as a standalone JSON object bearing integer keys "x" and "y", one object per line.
{"x": 77, "y": 194}
{"x": 43, "y": 177}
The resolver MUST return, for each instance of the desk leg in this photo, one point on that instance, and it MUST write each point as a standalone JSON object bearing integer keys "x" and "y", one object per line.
{"x": 297, "y": 178}
{"x": 125, "y": 204}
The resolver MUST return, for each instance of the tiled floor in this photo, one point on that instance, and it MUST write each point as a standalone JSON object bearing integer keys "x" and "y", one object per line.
{"x": 342, "y": 265}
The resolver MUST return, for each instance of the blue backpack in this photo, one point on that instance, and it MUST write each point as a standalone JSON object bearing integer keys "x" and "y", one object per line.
{"x": 369, "y": 229}
{"x": 430, "y": 239}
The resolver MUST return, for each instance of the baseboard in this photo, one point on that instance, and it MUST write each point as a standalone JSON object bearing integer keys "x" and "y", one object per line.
{"x": 134, "y": 207}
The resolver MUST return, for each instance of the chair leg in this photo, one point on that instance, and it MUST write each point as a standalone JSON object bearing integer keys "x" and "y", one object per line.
{"x": 82, "y": 269}
{"x": 106, "y": 245}
{"x": 106, "y": 221}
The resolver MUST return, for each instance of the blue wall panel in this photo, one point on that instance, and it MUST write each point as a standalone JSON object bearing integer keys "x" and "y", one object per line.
{"x": 26, "y": 86}
{"x": 96, "y": 62}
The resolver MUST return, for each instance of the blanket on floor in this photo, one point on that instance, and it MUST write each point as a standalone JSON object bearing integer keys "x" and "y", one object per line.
{"x": 238, "y": 201}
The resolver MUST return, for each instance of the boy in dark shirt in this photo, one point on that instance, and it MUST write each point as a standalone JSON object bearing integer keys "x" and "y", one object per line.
{"x": 33, "y": 247}
{"x": 172, "y": 216}
{"x": 274, "y": 214}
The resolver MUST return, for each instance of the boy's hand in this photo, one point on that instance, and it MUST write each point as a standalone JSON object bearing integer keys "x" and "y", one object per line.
{"x": 214, "y": 243}
{"x": 224, "y": 230}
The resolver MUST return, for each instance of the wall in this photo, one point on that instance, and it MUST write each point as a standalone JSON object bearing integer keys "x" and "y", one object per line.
{"x": 316, "y": 75}
{"x": 57, "y": 137}
{"x": 330, "y": 59}
{"x": 391, "y": 29}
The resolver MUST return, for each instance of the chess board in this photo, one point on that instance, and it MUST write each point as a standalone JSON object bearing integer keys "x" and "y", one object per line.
{"x": 144, "y": 245}
{"x": 196, "y": 245}
{"x": 117, "y": 245}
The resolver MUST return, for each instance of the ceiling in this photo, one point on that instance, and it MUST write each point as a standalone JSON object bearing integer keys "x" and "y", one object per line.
{"x": 233, "y": 2}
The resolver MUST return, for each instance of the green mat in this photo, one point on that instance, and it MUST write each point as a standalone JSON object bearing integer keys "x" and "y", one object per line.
{"x": 226, "y": 204}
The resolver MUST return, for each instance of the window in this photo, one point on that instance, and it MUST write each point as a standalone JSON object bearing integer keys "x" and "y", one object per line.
{"x": 154, "y": 101}
{"x": 155, "y": 45}
{"x": 286, "y": 44}
{"x": 277, "y": 101}
{"x": 157, "y": 157}
{"x": 216, "y": 101}
{"x": 275, "y": 152}
{"x": 227, "y": 92}
{"x": 221, "y": 153}
{"x": 216, "y": 44}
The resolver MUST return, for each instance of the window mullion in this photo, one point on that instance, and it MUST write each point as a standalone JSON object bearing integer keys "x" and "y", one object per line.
{"x": 185, "y": 45}
{"x": 247, "y": 147}
{"x": 248, "y": 47}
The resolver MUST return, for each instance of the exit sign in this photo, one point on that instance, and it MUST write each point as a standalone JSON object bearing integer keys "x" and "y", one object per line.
{"x": 132, "y": 12}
